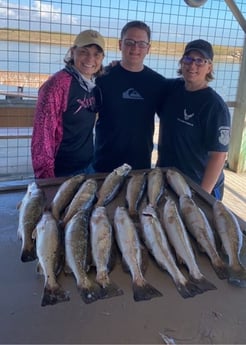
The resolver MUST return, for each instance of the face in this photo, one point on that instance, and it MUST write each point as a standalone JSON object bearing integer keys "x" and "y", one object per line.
{"x": 87, "y": 60}
{"x": 134, "y": 47}
{"x": 194, "y": 74}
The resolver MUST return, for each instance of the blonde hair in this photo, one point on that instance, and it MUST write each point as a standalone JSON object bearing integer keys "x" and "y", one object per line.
{"x": 209, "y": 76}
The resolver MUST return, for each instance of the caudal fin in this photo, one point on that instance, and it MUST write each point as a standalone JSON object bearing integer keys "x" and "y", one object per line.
{"x": 90, "y": 294}
{"x": 221, "y": 270}
{"x": 145, "y": 292}
{"x": 189, "y": 289}
{"x": 203, "y": 284}
{"x": 237, "y": 278}
{"x": 54, "y": 296}
{"x": 28, "y": 255}
{"x": 110, "y": 290}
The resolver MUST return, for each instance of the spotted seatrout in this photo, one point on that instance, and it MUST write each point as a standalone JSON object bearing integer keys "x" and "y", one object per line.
{"x": 83, "y": 199}
{"x": 64, "y": 194}
{"x": 134, "y": 192}
{"x": 76, "y": 255}
{"x": 30, "y": 212}
{"x": 156, "y": 241}
{"x": 112, "y": 184}
{"x": 179, "y": 239}
{"x": 178, "y": 183}
{"x": 197, "y": 224}
{"x": 231, "y": 236}
{"x": 101, "y": 245}
{"x": 155, "y": 187}
{"x": 129, "y": 244}
{"x": 48, "y": 244}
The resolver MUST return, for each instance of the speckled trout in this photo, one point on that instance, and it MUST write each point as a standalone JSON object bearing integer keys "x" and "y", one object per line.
{"x": 180, "y": 241}
{"x": 30, "y": 212}
{"x": 197, "y": 224}
{"x": 64, "y": 194}
{"x": 48, "y": 244}
{"x": 231, "y": 236}
{"x": 155, "y": 187}
{"x": 129, "y": 244}
{"x": 83, "y": 199}
{"x": 134, "y": 192}
{"x": 178, "y": 183}
{"x": 101, "y": 245}
{"x": 156, "y": 242}
{"x": 76, "y": 255}
{"x": 112, "y": 184}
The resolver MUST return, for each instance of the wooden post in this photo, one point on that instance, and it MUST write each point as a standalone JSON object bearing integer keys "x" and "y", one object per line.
{"x": 237, "y": 150}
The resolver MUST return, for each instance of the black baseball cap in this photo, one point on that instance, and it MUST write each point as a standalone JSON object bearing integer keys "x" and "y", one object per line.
{"x": 202, "y": 46}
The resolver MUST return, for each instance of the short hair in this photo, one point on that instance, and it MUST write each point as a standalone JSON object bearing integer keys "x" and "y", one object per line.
{"x": 136, "y": 24}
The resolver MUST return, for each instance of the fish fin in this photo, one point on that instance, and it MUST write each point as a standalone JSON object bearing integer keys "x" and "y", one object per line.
{"x": 188, "y": 290}
{"x": 39, "y": 269}
{"x": 90, "y": 294}
{"x": 203, "y": 284}
{"x": 237, "y": 278}
{"x": 34, "y": 234}
{"x": 145, "y": 292}
{"x": 221, "y": 270}
{"x": 18, "y": 205}
{"x": 54, "y": 296}
{"x": 28, "y": 255}
{"x": 110, "y": 290}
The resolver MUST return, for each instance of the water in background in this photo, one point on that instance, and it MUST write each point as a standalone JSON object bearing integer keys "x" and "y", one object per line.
{"x": 47, "y": 59}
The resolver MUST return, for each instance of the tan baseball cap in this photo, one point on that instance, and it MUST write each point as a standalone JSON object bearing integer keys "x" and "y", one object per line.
{"x": 88, "y": 37}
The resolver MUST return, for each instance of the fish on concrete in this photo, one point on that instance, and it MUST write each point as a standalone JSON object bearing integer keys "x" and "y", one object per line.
{"x": 76, "y": 255}
{"x": 64, "y": 195}
{"x": 112, "y": 184}
{"x": 83, "y": 199}
{"x": 50, "y": 259}
{"x": 156, "y": 242}
{"x": 180, "y": 241}
{"x": 178, "y": 183}
{"x": 101, "y": 236}
{"x": 155, "y": 186}
{"x": 197, "y": 224}
{"x": 134, "y": 192}
{"x": 130, "y": 247}
{"x": 231, "y": 236}
{"x": 31, "y": 209}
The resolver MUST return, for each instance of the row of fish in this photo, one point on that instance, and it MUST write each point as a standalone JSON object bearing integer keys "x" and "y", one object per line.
{"x": 77, "y": 219}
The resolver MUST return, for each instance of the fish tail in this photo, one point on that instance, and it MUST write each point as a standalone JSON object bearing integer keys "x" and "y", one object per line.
{"x": 145, "y": 292}
{"x": 221, "y": 271}
{"x": 110, "y": 290}
{"x": 237, "y": 278}
{"x": 28, "y": 255}
{"x": 134, "y": 216}
{"x": 53, "y": 296}
{"x": 90, "y": 294}
{"x": 188, "y": 290}
{"x": 203, "y": 284}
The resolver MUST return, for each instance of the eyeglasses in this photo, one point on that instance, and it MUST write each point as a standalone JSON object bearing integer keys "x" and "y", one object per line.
{"x": 132, "y": 43}
{"x": 188, "y": 60}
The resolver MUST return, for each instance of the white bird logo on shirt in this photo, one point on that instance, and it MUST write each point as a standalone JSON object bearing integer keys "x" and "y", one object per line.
{"x": 187, "y": 116}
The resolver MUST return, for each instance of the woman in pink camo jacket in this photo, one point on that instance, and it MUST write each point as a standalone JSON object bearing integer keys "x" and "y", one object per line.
{"x": 62, "y": 139}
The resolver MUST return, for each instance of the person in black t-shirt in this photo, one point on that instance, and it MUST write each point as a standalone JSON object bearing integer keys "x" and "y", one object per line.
{"x": 195, "y": 122}
{"x": 132, "y": 94}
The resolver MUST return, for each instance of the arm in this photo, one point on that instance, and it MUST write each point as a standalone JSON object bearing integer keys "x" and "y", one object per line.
{"x": 212, "y": 172}
{"x": 47, "y": 129}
